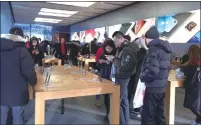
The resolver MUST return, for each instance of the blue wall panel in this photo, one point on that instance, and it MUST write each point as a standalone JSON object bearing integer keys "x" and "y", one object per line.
{"x": 6, "y": 17}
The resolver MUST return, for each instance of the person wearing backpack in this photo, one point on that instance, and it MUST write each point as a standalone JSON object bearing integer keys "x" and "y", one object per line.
{"x": 192, "y": 85}
{"x": 17, "y": 72}
{"x": 124, "y": 62}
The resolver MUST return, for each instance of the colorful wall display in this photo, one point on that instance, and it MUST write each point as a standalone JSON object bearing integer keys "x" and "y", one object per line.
{"x": 179, "y": 28}
{"x": 175, "y": 28}
{"x": 88, "y": 35}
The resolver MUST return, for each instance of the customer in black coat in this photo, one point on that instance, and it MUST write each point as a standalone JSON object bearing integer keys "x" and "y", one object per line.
{"x": 154, "y": 73}
{"x": 36, "y": 51}
{"x": 93, "y": 46}
{"x": 61, "y": 50}
{"x": 135, "y": 78}
{"x": 192, "y": 90}
{"x": 17, "y": 72}
{"x": 105, "y": 68}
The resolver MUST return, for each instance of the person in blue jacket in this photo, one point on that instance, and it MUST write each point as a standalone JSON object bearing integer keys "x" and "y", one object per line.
{"x": 105, "y": 68}
{"x": 17, "y": 72}
{"x": 154, "y": 73}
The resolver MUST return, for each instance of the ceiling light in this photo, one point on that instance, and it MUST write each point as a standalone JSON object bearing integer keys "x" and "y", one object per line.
{"x": 48, "y": 20}
{"x": 58, "y": 11}
{"x": 79, "y": 4}
{"x": 53, "y": 14}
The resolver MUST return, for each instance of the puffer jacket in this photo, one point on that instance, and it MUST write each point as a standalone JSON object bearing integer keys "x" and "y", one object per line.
{"x": 156, "y": 66}
{"x": 126, "y": 60}
{"x": 17, "y": 71}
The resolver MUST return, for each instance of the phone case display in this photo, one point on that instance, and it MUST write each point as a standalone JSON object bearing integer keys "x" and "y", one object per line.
{"x": 179, "y": 28}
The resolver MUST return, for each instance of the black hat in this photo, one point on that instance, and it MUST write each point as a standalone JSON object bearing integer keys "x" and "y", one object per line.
{"x": 152, "y": 33}
{"x": 17, "y": 31}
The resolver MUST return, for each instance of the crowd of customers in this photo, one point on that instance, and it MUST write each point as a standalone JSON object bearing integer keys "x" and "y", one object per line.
{"x": 119, "y": 59}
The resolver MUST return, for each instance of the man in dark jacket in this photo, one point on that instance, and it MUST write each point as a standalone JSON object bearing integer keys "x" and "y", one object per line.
{"x": 62, "y": 51}
{"x": 154, "y": 74}
{"x": 17, "y": 70}
{"x": 135, "y": 112}
{"x": 125, "y": 62}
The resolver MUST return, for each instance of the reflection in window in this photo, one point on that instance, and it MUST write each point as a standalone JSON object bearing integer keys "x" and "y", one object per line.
{"x": 39, "y": 31}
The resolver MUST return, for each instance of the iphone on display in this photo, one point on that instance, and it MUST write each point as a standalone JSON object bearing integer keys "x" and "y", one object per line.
{"x": 187, "y": 29}
{"x": 173, "y": 23}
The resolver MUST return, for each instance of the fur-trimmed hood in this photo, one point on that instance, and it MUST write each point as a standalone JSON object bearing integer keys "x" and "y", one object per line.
{"x": 9, "y": 41}
{"x": 15, "y": 38}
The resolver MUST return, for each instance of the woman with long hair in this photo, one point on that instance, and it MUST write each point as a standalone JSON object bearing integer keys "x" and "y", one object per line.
{"x": 192, "y": 84}
{"x": 105, "y": 68}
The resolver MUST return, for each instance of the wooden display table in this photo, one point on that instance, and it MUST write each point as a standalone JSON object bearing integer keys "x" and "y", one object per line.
{"x": 86, "y": 61}
{"x": 69, "y": 82}
{"x": 52, "y": 61}
{"x": 173, "y": 83}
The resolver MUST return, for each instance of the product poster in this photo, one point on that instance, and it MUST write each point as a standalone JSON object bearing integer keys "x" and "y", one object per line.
{"x": 179, "y": 28}
{"x": 134, "y": 29}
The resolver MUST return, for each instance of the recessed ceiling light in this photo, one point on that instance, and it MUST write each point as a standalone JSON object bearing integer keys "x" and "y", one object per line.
{"x": 79, "y": 4}
{"x": 58, "y": 11}
{"x": 48, "y": 20}
{"x": 53, "y": 14}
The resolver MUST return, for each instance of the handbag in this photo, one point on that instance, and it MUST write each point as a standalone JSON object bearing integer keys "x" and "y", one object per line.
{"x": 139, "y": 95}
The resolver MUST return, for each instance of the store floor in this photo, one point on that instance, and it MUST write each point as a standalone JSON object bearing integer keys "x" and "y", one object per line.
{"x": 83, "y": 111}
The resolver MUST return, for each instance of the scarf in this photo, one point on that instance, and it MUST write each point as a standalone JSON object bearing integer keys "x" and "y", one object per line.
{"x": 63, "y": 51}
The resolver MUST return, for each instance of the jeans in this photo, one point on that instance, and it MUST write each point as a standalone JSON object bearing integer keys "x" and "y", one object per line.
{"x": 124, "y": 104}
{"x": 153, "y": 109}
{"x": 17, "y": 113}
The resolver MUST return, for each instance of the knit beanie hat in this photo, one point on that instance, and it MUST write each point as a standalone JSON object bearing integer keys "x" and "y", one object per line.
{"x": 152, "y": 33}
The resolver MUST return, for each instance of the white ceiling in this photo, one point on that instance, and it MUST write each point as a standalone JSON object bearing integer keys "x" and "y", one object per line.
{"x": 25, "y": 12}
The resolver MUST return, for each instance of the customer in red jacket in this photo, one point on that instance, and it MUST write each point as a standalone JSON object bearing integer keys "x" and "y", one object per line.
{"x": 99, "y": 53}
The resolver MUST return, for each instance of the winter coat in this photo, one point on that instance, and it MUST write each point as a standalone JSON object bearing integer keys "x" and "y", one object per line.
{"x": 192, "y": 86}
{"x": 94, "y": 48}
{"x": 126, "y": 60}
{"x": 156, "y": 66}
{"x": 37, "y": 57}
{"x": 58, "y": 52}
{"x": 85, "y": 49}
{"x": 135, "y": 77}
{"x": 17, "y": 71}
{"x": 99, "y": 53}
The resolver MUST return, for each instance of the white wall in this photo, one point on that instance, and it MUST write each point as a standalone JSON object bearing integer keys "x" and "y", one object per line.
{"x": 141, "y": 10}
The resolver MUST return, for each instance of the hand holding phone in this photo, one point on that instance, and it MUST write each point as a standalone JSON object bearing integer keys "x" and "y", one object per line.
{"x": 109, "y": 57}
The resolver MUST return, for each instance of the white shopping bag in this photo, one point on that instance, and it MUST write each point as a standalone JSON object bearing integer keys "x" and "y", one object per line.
{"x": 139, "y": 95}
